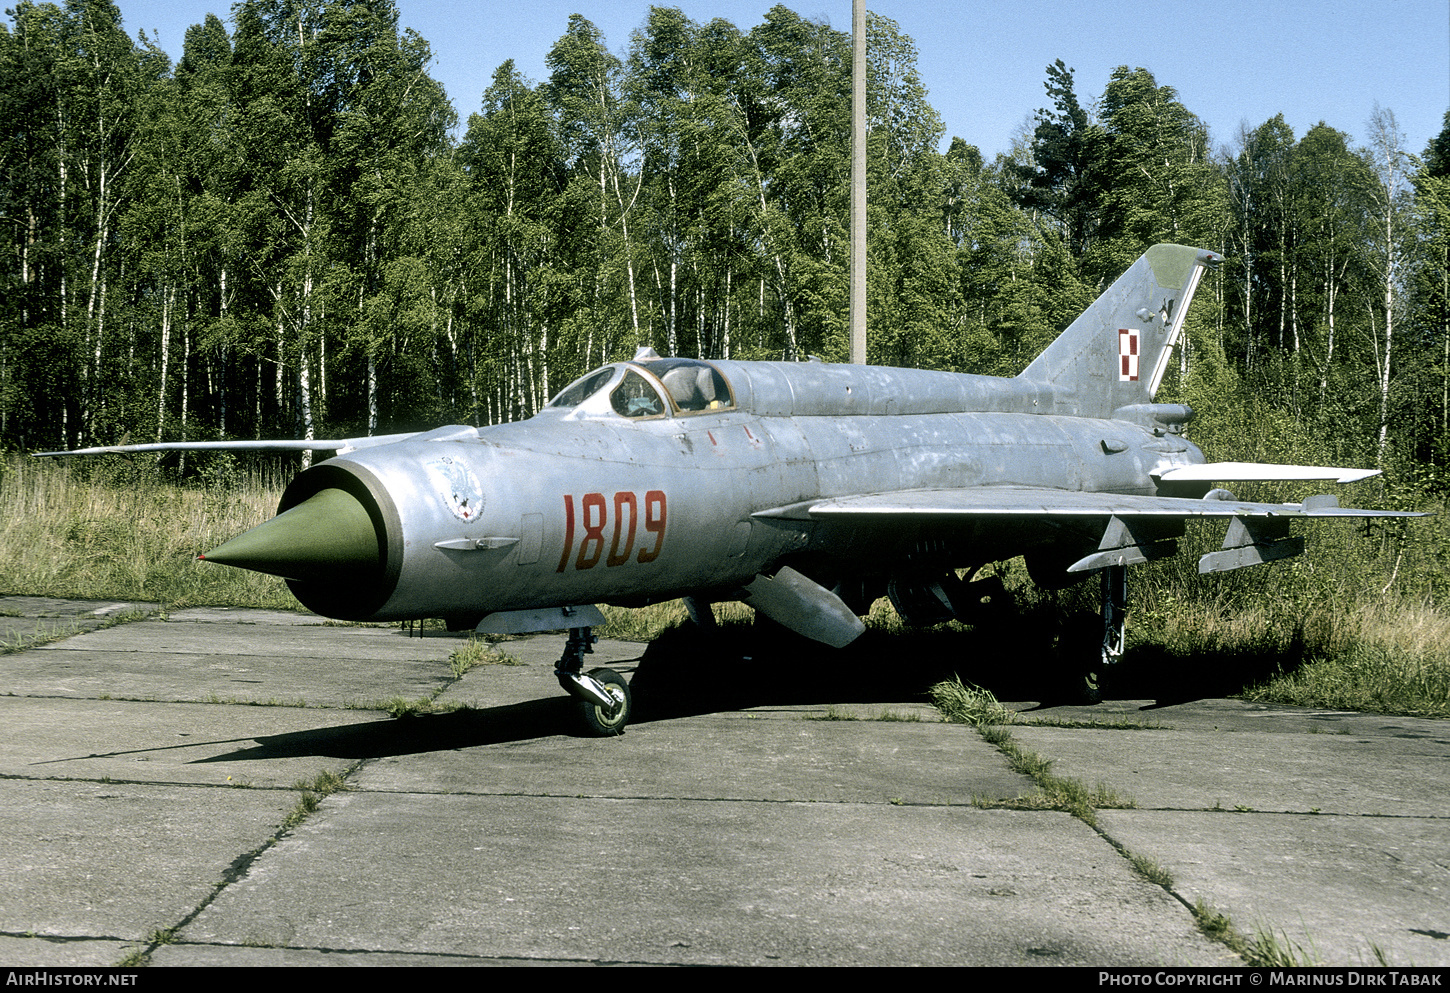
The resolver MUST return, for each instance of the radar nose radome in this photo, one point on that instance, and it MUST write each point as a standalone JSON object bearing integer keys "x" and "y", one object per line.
{"x": 329, "y": 536}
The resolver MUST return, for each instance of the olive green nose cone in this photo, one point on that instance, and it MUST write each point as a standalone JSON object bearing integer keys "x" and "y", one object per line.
{"x": 327, "y": 537}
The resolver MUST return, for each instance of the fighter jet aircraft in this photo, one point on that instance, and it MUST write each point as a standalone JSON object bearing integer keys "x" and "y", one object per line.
{"x": 802, "y": 489}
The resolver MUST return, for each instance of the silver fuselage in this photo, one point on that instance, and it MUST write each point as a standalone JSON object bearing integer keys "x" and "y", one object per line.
{"x": 582, "y": 505}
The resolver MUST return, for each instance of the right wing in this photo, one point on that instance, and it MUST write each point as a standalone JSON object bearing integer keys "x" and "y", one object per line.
{"x": 1035, "y": 501}
{"x": 1135, "y": 528}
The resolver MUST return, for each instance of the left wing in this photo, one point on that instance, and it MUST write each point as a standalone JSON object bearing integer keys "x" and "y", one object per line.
{"x": 1259, "y": 532}
{"x": 340, "y": 445}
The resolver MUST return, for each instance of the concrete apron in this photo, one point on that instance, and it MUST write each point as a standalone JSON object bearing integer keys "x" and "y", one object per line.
{"x": 149, "y": 768}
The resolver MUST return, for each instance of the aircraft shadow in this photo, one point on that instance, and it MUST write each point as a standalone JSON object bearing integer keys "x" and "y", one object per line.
{"x": 414, "y": 734}
{"x": 686, "y": 672}
{"x": 739, "y": 667}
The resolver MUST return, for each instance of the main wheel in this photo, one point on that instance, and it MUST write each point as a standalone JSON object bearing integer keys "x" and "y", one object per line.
{"x": 603, "y": 722}
{"x": 1080, "y": 647}
{"x": 1088, "y": 686}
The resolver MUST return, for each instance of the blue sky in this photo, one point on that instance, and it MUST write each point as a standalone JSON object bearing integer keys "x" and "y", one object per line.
{"x": 984, "y": 62}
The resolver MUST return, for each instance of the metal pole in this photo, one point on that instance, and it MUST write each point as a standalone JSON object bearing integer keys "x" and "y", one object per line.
{"x": 858, "y": 182}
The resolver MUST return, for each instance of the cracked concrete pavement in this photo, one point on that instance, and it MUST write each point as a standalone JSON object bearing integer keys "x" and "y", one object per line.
{"x": 149, "y": 767}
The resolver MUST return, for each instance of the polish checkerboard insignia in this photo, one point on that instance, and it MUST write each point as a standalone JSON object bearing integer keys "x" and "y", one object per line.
{"x": 1127, "y": 355}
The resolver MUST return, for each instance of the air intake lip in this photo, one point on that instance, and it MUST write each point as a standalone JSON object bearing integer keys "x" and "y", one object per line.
{"x": 359, "y": 592}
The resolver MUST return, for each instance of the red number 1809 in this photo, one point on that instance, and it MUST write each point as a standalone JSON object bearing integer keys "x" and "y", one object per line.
{"x": 593, "y": 517}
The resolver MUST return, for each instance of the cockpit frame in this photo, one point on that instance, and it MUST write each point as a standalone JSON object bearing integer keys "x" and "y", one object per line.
{"x": 679, "y": 387}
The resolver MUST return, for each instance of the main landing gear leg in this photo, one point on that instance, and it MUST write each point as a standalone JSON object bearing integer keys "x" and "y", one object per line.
{"x": 1106, "y": 645}
{"x": 702, "y": 614}
{"x": 1115, "y": 611}
{"x": 602, "y": 694}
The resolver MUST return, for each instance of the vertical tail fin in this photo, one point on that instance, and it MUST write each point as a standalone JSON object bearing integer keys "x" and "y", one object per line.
{"x": 1116, "y": 352}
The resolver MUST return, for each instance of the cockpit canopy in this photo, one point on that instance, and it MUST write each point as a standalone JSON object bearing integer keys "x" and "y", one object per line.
{"x": 650, "y": 387}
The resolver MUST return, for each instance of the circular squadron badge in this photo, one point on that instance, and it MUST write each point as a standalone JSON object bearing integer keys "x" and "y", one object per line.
{"x": 458, "y": 487}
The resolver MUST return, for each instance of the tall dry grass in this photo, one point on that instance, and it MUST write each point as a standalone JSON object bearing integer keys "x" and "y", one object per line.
{"x": 1356, "y": 623}
{"x": 115, "y": 529}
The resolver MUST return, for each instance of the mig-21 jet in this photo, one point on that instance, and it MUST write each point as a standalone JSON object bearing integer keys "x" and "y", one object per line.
{"x": 804, "y": 489}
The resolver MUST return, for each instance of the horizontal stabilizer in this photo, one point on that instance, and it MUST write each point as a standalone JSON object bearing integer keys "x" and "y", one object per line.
{"x": 1255, "y": 472}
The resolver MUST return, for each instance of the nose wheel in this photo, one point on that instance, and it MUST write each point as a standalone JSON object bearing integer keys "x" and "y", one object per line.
{"x": 601, "y": 694}
{"x": 607, "y": 721}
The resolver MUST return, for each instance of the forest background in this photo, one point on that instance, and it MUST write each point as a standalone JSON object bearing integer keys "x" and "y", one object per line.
{"x": 286, "y": 234}
{"x": 278, "y": 236}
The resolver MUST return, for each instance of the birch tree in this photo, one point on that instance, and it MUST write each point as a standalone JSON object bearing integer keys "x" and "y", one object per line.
{"x": 1389, "y": 233}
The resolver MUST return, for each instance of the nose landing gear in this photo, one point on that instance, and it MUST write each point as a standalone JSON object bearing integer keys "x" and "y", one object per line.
{"x": 602, "y": 694}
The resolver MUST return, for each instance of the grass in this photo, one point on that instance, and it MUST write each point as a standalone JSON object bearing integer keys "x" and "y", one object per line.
{"x": 1265, "y": 949}
{"x": 115, "y": 529}
{"x": 136, "y": 958}
{"x": 963, "y": 703}
{"x": 1277, "y": 951}
{"x": 475, "y": 653}
{"x": 400, "y": 706}
{"x": 312, "y": 793}
{"x": 1376, "y": 653}
{"x": 1367, "y": 676}
{"x": 1151, "y": 870}
{"x": 1116, "y": 724}
{"x": 645, "y": 624}
{"x": 59, "y": 630}
{"x": 1217, "y": 926}
{"x": 43, "y": 634}
{"x": 1356, "y": 623}
{"x": 895, "y": 716}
